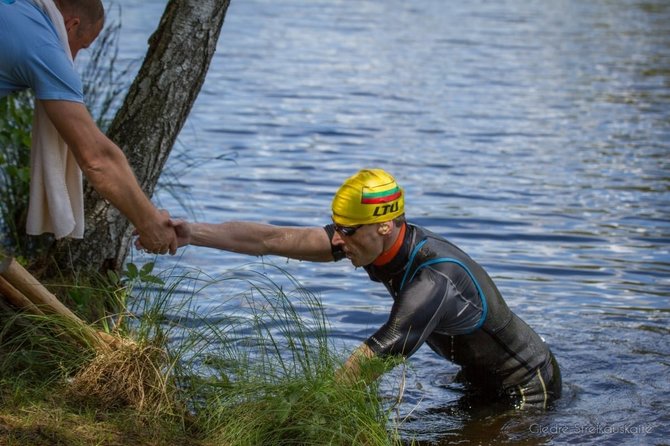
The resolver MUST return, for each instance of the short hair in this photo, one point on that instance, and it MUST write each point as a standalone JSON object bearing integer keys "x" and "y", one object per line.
{"x": 89, "y": 11}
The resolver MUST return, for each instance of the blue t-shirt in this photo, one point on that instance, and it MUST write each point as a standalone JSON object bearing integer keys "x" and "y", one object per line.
{"x": 31, "y": 55}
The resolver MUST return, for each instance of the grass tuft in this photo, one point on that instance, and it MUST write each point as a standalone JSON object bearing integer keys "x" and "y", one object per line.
{"x": 128, "y": 376}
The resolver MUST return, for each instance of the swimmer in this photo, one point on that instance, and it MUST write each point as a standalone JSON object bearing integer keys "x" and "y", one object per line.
{"x": 441, "y": 296}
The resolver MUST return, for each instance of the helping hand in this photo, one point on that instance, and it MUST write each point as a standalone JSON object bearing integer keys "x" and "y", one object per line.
{"x": 158, "y": 237}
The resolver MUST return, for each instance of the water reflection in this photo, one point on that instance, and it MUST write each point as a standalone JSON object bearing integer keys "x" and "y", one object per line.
{"x": 533, "y": 134}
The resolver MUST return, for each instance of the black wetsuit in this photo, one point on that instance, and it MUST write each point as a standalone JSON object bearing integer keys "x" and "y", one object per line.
{"x": 444, "y": 298}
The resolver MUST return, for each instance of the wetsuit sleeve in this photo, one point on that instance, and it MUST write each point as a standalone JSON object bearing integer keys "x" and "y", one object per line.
{"x": 431, "y": 302}
{"x": 338, "y": 253}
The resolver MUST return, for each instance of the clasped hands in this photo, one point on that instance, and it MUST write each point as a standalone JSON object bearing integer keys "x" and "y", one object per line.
{"x": 157, "y": 236}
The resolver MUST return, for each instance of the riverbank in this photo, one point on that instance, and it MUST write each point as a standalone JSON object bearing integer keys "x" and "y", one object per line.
{"x": 265, "y": 376}
{"x": 44, "y": 415}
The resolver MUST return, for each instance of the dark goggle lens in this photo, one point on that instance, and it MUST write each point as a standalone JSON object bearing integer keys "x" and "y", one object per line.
{"x": 347, "y": 230}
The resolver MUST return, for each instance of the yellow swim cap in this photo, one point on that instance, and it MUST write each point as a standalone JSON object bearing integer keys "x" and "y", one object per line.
{"x": 369, "y": 196}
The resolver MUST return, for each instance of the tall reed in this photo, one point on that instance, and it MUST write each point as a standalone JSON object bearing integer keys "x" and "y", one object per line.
{"x": 263, "y": 369}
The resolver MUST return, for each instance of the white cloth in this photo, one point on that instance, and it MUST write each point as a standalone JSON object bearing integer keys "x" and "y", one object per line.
{"x": 56, "y": 192}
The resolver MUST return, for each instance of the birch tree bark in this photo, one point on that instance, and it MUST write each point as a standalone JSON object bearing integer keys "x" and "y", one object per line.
{"x": 148, "y": 123}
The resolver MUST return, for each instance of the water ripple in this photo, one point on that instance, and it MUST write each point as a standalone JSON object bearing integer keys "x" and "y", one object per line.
{"x": 533, "y": 134}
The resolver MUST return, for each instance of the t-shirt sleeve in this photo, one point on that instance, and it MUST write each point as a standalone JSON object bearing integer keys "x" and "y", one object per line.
{"x": 52, "y": 75}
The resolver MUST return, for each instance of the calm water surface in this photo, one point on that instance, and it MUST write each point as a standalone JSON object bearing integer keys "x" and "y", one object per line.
{"x": 534, "y": 134}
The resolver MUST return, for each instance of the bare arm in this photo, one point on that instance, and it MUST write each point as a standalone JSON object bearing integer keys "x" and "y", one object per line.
{"x": 310, "y": 243}
{"x": 106, "y": 167}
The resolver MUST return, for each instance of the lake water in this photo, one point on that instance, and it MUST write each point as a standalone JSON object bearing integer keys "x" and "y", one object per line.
{"x": 533, "y": 134}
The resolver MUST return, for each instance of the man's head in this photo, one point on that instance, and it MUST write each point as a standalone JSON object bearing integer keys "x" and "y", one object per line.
{"x": 369, "y": 196}
{"x": 367, "y": 210}
{"x": 83, "y": 21}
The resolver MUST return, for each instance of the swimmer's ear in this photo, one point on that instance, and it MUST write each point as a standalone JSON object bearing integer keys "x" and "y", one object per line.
{"x": 384, "y": 228}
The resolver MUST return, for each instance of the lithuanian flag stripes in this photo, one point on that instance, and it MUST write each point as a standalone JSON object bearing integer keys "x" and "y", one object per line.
{"x": 381, "y": 197}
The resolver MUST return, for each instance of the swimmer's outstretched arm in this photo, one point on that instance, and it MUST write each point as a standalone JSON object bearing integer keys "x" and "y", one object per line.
{"x": 257, "y": 239}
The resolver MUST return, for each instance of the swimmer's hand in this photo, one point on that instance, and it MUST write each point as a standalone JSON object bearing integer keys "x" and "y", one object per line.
{"x": 182, "y": 230}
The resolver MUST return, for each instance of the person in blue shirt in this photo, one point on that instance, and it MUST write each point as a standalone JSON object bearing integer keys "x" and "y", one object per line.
{"x": 441, "y": 296}
{"x": 33, "y": 57}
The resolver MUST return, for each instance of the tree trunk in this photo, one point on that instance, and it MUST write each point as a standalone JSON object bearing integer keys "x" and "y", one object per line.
{"x": 147, "y": 124}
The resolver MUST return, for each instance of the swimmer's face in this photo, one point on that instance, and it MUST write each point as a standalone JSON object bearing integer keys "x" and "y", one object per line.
{"x": 362, "y": 246}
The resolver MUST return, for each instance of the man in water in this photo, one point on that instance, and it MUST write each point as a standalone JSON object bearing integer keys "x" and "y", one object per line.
{"x": 440, "y": 295}
{"x": 38, "y": 41}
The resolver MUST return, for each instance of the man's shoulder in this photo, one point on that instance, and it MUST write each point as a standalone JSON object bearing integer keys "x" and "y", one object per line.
{"x": 27, "y": 14}
{"x": 38, "y": 57}
{"x": 26, "y": 26}
{"x": 423, "y": 234}
{"x": 437, "y": 248}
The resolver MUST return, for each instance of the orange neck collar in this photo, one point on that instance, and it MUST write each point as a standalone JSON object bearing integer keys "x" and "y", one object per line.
{"x": 387, "y": 255}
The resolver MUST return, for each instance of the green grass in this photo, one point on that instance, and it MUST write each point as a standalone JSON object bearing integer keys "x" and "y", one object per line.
{"x": 16, "y": 115}
{"x": 257, "y": 368}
